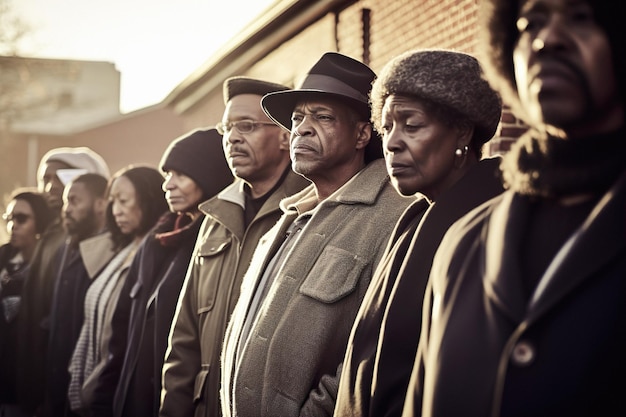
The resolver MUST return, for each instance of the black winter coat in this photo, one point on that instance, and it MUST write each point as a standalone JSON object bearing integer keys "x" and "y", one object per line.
{"x": 11, "y": 285}
{"x": 488, "y": 350}
{"x": 384, "y": 340}
{"x": 130, "y": 384}
{"x": 34, "y": 311}
{"x": 65, "y": 322}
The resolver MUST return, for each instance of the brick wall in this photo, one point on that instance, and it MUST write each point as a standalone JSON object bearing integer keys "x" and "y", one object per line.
{"x": 401, "y": 25}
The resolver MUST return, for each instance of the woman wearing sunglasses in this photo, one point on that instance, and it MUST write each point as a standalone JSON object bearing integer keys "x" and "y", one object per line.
{"x": 27, "y": 215}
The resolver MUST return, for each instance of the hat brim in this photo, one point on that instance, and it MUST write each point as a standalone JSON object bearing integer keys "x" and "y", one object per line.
{"x": 279, "y": 105}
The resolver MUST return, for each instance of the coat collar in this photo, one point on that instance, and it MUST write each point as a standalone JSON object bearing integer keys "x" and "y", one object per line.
{"x": 96, "y": 252}
{"x": 599, "y": 239}
{"x": 363, "y": 188}
{"x": 220, "y": 207}
{"x": 500, "y": 260}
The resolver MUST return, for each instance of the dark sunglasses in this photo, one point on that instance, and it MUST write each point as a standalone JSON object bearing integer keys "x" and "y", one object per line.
{"x": 19, "y": 218}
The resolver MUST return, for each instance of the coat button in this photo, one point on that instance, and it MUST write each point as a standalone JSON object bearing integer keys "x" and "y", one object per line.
{"x": 523, "y": 353}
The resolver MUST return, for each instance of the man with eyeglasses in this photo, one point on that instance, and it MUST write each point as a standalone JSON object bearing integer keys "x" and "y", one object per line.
{"x": 257, "y": 151}
{"x": 286, "y": 339}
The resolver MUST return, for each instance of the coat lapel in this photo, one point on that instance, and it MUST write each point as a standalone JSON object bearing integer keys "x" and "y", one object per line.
{"x": 599, "y": 240}
{"x": 503, "y": 237}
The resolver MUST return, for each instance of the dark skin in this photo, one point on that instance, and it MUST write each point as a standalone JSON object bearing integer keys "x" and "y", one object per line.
{"x": 564, "y": 69}
{"x": 51, "y": 185}
{"x": 420, "y": 150}
{"x": 84, "y": 213}
{"x": 327, "y": 143}
{"x": 259, "y": 157}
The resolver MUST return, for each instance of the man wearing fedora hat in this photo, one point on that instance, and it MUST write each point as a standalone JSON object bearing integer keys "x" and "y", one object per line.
{"x": 257, "y": 152}
{"x": 287, "y": 337}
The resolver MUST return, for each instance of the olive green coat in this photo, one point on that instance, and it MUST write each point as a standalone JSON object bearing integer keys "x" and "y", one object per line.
{"x": 223, "y": 251}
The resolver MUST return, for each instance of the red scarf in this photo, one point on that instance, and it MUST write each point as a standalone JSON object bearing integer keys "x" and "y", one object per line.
{"x": 173, "y": 238}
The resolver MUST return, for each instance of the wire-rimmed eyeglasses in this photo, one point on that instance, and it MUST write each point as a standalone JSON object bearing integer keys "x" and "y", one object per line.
{"x": 242, "y": 126}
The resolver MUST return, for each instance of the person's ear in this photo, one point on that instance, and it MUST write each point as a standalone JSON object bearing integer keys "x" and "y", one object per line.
{"x": 464, "y": 136}
{"x": 101, "y": 205}
{"x": 283, "y": 140}
{"x": 364, "y": 134}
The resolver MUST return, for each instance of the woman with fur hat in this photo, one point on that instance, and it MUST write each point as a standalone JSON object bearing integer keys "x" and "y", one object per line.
{"x": 525, "y": 313}
{"x": 434, "y": 112}
{"x": 129, "y": 383}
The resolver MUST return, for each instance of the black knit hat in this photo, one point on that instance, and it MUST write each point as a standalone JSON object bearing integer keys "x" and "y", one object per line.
{"x": 447, "y": 78}
{"x": 498, "y": 34}
{"x": 243, "y": 85}
{"x": 333, "y": 75}
{"x": 200, "y": 156}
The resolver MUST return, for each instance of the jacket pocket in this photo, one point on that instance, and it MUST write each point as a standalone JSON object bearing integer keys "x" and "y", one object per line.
{"x": 212, "y": 247}
{"x": 334, "y": 275}
{"x": 210, "y": 262}
{"x": 198, "y": 389}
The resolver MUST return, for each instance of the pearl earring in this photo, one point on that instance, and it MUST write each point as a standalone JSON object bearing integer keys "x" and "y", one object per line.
{"x": 460, "y": 152}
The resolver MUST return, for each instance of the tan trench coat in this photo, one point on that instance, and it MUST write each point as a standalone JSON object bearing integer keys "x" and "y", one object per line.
{"x": 222, "y": 254}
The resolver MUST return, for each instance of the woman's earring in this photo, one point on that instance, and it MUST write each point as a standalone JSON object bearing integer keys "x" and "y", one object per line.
{"x": 461, "y": 152}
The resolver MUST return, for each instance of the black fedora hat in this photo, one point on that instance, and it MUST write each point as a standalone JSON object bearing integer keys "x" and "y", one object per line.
{"x": 334, "y": 75}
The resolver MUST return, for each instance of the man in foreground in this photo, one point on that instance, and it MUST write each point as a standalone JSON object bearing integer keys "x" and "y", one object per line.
{"x": 527, "y": 313}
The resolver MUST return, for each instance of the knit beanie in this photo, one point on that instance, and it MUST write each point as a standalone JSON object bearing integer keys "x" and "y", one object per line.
{"x": 80, "y": 157}
{"x": 200, "y": 156}
{"x": 498, "y": 35}
{"x": 447, "y": 78}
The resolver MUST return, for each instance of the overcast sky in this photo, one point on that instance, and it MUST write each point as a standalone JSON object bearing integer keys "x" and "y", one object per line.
{"x": 155, "y": 44}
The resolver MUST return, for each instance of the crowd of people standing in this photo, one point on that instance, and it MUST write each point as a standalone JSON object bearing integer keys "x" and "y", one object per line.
{"x": 344, "y": 247}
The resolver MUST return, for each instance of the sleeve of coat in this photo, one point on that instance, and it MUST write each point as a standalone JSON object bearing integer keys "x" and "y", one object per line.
{"x": 106, "y": 384}
{"x": 183, "y": 356}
